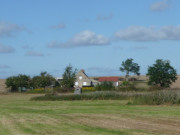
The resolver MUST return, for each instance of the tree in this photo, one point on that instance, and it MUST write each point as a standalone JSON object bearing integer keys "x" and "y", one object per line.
{"x": 18, "y": 81}
{"x": 162, "y": 74}
{"x": 69, "y": 77}
{"x": 43, "y": 80}
{"x": 129, "y": 66}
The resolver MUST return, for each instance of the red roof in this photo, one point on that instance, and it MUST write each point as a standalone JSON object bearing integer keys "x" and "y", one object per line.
{"x": 108, "y": 79}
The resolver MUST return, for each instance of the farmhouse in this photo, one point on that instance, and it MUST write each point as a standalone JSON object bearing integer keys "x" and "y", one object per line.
{"x": 83, "y": 80}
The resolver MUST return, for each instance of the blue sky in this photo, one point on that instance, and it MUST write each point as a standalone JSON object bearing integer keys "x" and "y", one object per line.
{"x": 94, "y": 35}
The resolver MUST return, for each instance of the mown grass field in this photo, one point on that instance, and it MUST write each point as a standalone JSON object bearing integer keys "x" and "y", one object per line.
{"x": 20, "y": 116}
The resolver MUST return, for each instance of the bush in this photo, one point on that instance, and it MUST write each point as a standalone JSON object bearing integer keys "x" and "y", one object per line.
{"x": 125, "y": 83}
{"x": 157, "y": 98}
{"x": 89, "y": 89}
{"x": 127, "y": 86}
{"x": 39, "y": 91}
{"x": 63, "y": 90}
{"x": 178, "y": 101}
{"x": 105, "y": 86}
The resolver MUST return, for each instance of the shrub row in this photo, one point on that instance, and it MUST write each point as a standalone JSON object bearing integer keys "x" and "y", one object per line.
{"x": 157, "y": 98}
{"x": 104, "y": 86}
{"x": 87, "y": 96}
{"x": 88, "y": 89}
{"x": 50, "y": 90}
{"x": 38, "y": 91}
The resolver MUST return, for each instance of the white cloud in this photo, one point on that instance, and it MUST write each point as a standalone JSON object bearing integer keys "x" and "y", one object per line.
{"x": 6, "y": 49}
{"x": 103, "y": 18}
{"x": 30, "y": 53}
{"x": 84, "y": 38}
{"x": 141, "y": 33}
{"x": 160, "y": 5}
{"x": 8, "y": 29}
{"x": 58, "y": 26}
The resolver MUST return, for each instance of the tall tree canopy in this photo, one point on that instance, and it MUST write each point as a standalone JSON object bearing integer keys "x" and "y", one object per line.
{"x": 18, "y": 81}
{"x": 69, "y": 77}
{"x": 162, "y": 74}
{"x": 129, "y": 66}
{"x": 43, "y": 80}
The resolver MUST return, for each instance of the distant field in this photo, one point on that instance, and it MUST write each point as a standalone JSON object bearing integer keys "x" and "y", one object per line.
{"x": 19, "y": 116}
{"x": 2, "y": 86}
{"x": 175, "y": 85}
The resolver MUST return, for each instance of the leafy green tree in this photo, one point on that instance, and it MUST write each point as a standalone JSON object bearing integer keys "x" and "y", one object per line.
{"x": 43, "y": 80}
{"x": 14, "y": 82}
{"x": 69, "y": 77}
{"x": 129, "y": 66}
{"x": 162, "y": 74}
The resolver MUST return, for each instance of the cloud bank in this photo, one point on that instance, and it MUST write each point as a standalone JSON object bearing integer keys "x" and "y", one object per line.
{"x": 160, "y": 5}
{"x": 58, "y": 26}
{"x": 141, "y": 33}
{"x": 27, "y": 47}
{"x": 84, "y": 38}
{"x": 104, "y": 18}
{"x": 31, "y": 53}
{"x": 4, "y": 66}
{"x": 8, "y": 29}
{"x": 6, "y": 49}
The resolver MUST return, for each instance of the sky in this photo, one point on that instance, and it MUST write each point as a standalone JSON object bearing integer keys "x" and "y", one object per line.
{"x": 94, "y": 35}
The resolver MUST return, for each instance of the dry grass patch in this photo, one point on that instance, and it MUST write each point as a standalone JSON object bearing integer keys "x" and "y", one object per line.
{"x": 115, "y": 122}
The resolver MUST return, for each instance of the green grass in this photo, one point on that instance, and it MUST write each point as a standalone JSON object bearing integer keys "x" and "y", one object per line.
{"x": 19, "y": 115}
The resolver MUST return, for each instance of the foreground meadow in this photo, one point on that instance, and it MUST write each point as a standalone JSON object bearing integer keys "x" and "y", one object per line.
{"x": 20, "y": 116}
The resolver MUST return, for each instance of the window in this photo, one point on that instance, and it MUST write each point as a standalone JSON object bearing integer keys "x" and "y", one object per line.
{"x": 76, "y": 83}
{"x": 80, "y": 77}
{"x": 84, "y": 83}
{"x": 117, "y": 84}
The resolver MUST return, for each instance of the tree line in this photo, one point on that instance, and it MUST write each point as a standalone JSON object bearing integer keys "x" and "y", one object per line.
{"x": 39, "y": 81}
{"x": 160, "y": 74}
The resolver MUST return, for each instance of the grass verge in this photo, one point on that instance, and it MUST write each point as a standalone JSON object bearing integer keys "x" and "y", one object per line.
{"x": 157, "y": 98}
{"x": 153, "y": 98}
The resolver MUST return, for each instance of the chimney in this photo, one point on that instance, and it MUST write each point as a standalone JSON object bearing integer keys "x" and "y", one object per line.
{"x": 83, "y": 70}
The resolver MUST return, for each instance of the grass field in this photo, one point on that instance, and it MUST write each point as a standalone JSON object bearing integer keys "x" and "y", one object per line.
{"x": 19, "y": 116}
